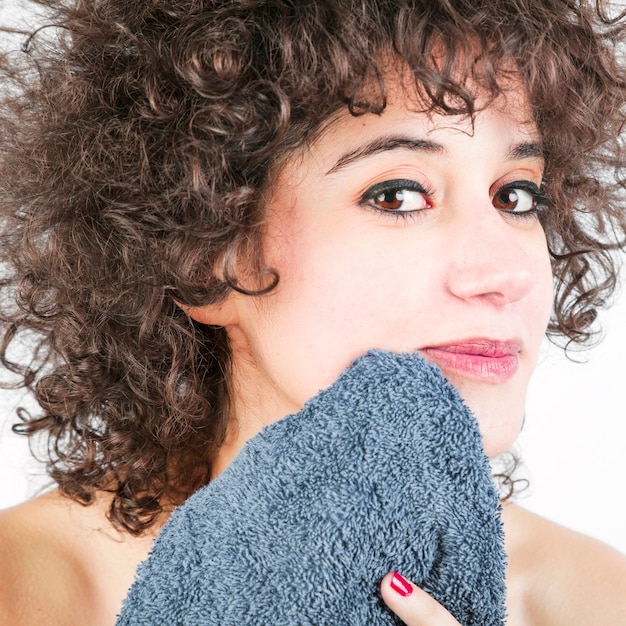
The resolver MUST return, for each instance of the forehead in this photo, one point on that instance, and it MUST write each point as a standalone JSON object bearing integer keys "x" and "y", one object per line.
{"x": 403, "y": 94}
{"x": 407, "y": 121}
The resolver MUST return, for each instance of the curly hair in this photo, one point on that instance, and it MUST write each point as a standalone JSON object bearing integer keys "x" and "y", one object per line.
{"x": 136, "y": 140}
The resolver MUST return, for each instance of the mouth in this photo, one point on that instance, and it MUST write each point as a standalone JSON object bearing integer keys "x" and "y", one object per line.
{"x": 485, "y": 360}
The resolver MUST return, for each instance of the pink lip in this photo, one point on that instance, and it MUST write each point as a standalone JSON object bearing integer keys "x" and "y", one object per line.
{"x": 486, "y": 360}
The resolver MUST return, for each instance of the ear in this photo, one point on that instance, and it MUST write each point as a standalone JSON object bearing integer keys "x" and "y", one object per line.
{"x": 223, "y": 313}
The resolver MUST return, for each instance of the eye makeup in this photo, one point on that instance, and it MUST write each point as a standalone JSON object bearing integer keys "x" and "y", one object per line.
{"x": 397, "y": 196}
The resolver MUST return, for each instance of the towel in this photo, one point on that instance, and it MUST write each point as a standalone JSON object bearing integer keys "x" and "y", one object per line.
{"x": 382, "y": 471}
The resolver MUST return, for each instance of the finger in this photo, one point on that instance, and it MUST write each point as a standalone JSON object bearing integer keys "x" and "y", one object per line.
{"x": 413, "y": 605}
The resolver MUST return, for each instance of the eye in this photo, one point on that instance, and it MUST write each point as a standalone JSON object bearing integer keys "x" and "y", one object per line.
{"x": 521, "y": 197}
{"x": 397, "y": 196}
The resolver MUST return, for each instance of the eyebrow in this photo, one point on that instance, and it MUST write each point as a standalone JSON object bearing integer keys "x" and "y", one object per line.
{"x": 524, "y": 150}
{"x": 385, "y": 144}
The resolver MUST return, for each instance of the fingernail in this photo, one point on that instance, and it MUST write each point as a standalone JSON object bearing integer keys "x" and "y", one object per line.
{"x": 401, "y": 585}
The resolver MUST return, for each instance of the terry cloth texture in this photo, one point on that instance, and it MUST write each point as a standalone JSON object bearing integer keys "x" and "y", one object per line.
{"x": 383, "y": 470}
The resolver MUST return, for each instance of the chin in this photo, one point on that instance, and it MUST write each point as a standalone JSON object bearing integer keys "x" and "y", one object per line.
{"x": 499, "y": 411}
{"x": 498, "y": 434}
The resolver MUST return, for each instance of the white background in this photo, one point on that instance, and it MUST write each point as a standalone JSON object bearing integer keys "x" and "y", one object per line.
{"x": 573, "y": 443}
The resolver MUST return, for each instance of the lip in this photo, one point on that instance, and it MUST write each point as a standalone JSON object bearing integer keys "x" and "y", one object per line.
{"x": 486, "y": 360}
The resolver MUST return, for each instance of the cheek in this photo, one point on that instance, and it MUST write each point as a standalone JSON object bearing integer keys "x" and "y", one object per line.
{"x": 545, "y": 289}
{"x": 335, "y": 301}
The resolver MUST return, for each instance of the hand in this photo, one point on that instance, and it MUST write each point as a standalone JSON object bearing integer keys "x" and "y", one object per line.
{"x": 413, "y": 605}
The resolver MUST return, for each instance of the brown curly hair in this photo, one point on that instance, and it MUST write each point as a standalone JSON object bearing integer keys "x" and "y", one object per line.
{"x": 136, "y": 139}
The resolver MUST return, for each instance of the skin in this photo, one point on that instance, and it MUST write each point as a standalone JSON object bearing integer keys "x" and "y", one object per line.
{"x": 64, "y": 564}
{"x": 353, "y": 277}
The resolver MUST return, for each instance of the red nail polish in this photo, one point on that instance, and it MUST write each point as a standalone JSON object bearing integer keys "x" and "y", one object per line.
{"x": 401, "y": 585}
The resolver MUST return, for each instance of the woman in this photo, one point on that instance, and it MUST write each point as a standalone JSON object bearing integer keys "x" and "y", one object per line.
{"x": 210, "y": 209}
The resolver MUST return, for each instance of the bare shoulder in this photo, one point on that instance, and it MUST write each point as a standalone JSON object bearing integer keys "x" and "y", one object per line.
{"x": 63, "y": 563}
{"x": 564, "y": 576}
{"x": 37, "y": 566}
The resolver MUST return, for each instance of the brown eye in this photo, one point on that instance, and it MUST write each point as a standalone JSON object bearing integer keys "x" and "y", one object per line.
{"x": 397, "y": 196}
{"x": 390, "y": 200}
{"x": 400, "y": 200}
{"x": 514, "y": 200}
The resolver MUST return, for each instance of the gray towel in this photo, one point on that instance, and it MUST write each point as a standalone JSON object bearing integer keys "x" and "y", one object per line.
{"x": 383, "y": 470}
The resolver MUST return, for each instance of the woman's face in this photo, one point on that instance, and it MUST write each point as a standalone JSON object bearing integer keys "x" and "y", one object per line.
{"x": 401, "y": 232}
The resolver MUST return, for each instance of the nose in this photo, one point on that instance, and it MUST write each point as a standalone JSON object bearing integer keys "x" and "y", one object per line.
{"x": 491, "y": 262}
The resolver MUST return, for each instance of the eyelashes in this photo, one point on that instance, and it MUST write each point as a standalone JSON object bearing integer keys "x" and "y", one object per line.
{"x": 521, "y": 198}
{"x": 404, "y": 198}
{"x": 399, "y": 198}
